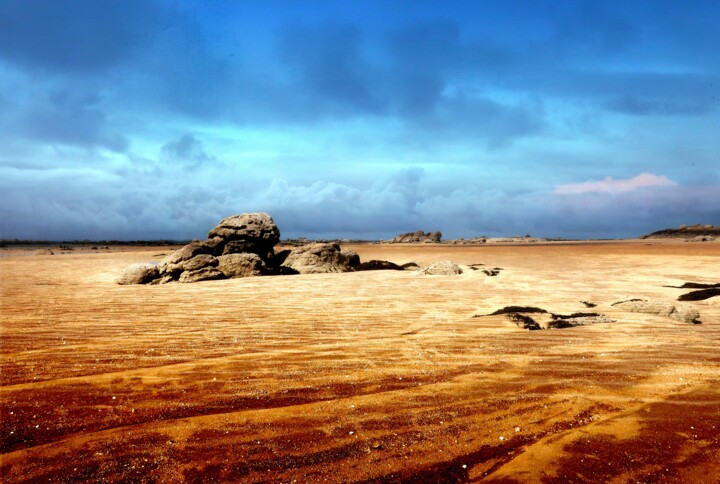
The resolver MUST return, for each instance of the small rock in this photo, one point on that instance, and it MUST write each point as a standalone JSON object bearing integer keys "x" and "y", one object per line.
{"x": 442, "y": 268}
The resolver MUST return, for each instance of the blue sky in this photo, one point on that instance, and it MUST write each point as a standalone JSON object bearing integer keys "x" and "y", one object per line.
{"x": 136, "y": 119}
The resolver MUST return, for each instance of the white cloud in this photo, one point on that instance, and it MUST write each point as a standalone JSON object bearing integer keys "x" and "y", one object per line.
{"x": 611, "y": 185}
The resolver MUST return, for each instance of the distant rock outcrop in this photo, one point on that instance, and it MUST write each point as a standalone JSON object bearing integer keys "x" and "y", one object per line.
{"x": 693, "y": 233}
{"x": 418, "y": 237}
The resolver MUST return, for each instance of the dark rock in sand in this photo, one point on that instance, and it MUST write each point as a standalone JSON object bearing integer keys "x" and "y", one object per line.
{"x": 523, "y": 321}
{"x": 410, "y": 266}
{"x": 378, "y": 265}
{"x": 141, "y": 273}
{"x": 204, "y": 274}
{"x": 517, "y": 309}
{"x": 559, "y": 321}
{"x": 696, "y": 285}
{"x": 241, "y": 265}
{"x": 700, "y": 295}
{"x": 317, "y": 258}
{"x": 492, "y": 272}
{"x": 352, "y": 257}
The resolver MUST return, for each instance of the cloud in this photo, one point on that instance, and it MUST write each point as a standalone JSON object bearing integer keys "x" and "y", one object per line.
{"x": 72, "y": 118}
{"x": 330, "y": 63}
{"x": 186, "y": 150}
{"x": 74, "y": 35}
{"x": 611, "y": 185}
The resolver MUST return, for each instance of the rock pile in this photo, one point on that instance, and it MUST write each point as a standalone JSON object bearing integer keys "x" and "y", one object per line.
{"x": 417, "y": 237}
{"x": 244, "y": 246}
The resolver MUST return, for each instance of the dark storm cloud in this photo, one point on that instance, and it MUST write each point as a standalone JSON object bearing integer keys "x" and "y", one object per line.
{"x": 329, "y": 63}
{"x": 71, "y": 118}
{"x": 74, "y": 35}
{"x": 186, "y": 150}
{"x": 331, "y": 73}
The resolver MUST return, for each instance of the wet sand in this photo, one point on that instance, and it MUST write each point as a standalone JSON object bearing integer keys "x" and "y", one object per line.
{"x": 375, "y": 376}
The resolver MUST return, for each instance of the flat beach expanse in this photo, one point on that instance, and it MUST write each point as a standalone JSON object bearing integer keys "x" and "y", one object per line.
{"x": 379, "y": 376}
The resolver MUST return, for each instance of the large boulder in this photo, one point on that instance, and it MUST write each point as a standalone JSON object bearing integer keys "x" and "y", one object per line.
{"x": 198, "y": 262}
{"x": 442, "y": 268}
{"x": 173, "y": 263}
{"x": 256, "y": 231}
{"x": 317, "y": 258}
{"x": 141, "y": 273}
{"x": 241, "y": 265}
{"x": 678, "y": 312}
{"x": 203, "y": 274}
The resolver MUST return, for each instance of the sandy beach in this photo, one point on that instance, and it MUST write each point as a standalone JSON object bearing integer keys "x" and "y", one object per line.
{"x": 379, "y": 376}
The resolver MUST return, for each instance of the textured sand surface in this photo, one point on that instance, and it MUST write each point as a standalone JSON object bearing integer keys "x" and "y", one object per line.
{"x": 376, "y": 376}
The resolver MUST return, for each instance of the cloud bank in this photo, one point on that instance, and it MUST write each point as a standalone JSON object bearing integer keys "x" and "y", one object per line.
{"x": 152, "y": 119}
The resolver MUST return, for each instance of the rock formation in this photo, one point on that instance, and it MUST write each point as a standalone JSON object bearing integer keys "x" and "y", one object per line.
{"x": 241, "y": 246}
{"x": 418, "y": 237}
{"x": 679, "y": 312}
{"x": 693, "y": 233}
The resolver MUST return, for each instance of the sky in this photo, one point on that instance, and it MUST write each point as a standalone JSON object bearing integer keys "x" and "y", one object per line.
{"x": 141, "y": 119}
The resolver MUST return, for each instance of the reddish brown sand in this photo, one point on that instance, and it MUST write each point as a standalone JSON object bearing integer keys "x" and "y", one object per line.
{"x": 374, "y": 376}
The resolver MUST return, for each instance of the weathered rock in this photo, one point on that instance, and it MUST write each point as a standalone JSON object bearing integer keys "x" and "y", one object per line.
{"x": 241, "y": 265}
{"x": 244, "y": 246}
{"x": 378, "y": 265}
{"x": 141, "y": 273}
{"x": 679, "y": 312}
{"x": 198, "y": 262}
{"x": 258, "y": 230}
{"x": 352, "y": 257}
{"x": 417, "y": 237}
{"x": 173, "y": 263}
{"x": 442, "y": 268}
{"x": 162, "y": 280}
{"x": 559, "y": 321}
{"x": 317, "y": 258}
{"x": 216, "y": 244}
{"x": 203, "y": 274}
